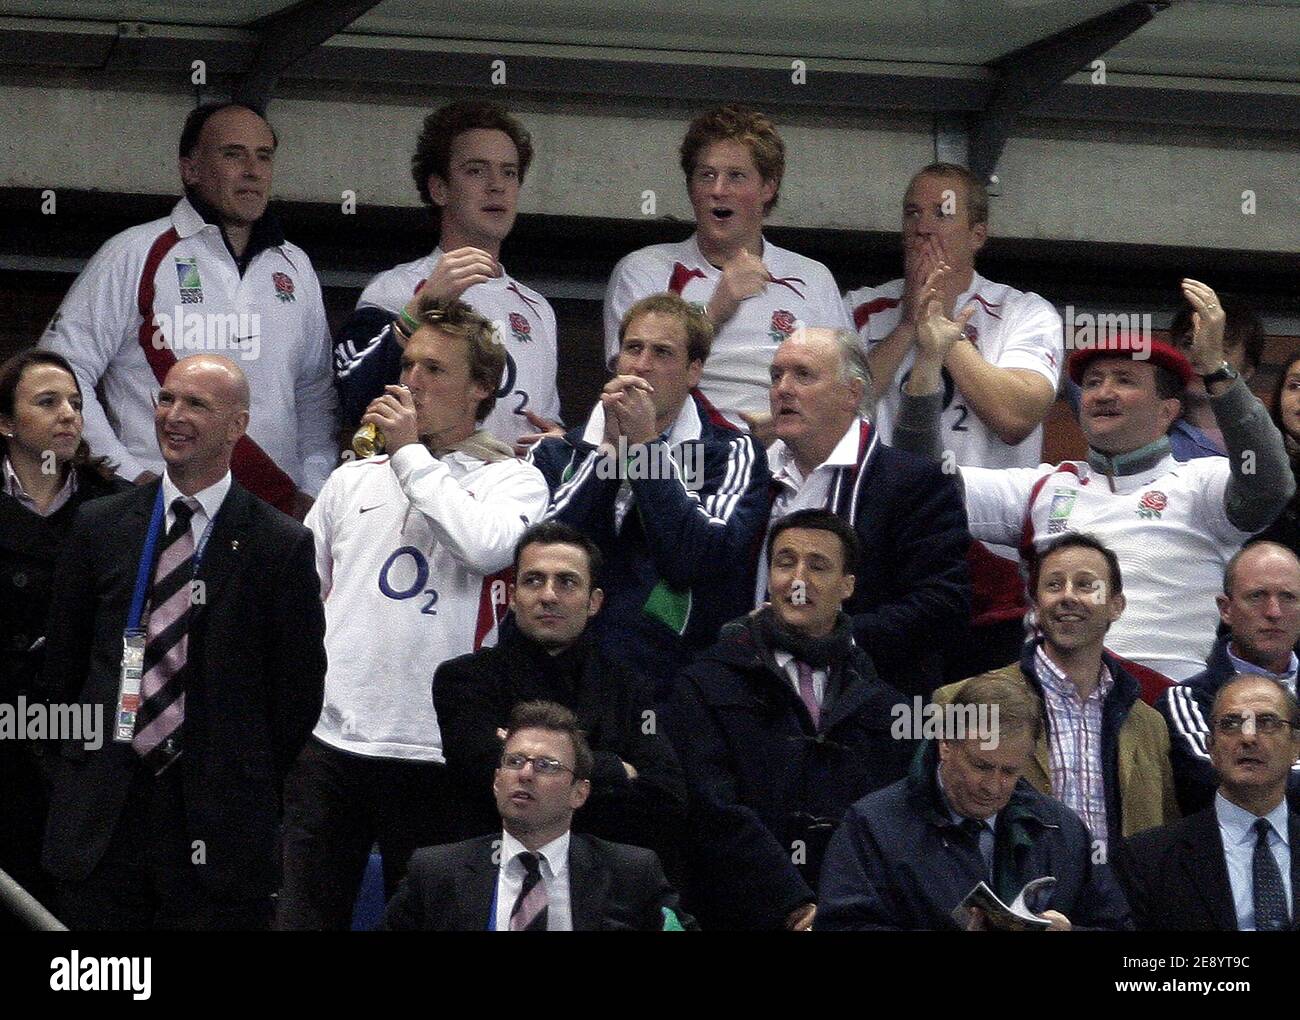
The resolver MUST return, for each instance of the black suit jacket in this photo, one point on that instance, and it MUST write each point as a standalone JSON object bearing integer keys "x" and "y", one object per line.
{"x": 1176, "y": 876}
{"x": 253, "y": 692}
{"x": 612, "y": 887}
{"x": 474, "y": 694}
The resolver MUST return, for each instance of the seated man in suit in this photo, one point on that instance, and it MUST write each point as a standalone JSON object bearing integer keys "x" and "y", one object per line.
{"x": 536, "y": 875}
{"x": 1260, "y": 611}
{"x": 780, "y": 727}
{"x": 1103, "y": 752}
{"x": 1232, "y": 866}
{"x": 187, "y": 611}
{"x": 546, "y": 651}
{"x": 906, "y": 856}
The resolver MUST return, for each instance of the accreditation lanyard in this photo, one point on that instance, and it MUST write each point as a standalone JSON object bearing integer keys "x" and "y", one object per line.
{"x": 134, "y": 636}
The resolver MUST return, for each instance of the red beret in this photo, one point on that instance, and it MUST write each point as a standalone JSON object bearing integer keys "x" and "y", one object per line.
{"x": 1139, "y": 348}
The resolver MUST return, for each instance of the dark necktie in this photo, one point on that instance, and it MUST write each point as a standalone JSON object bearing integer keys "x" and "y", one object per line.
{"x": 162, "y": 688}
{"x": 1271, "y": 913}
{"x": 982, "y": 836}
{"x": 529, "y": 913}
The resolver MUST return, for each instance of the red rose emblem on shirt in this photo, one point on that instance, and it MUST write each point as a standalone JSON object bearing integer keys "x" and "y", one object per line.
{"x": 1154, "y": 500}
{"x": 1151, "y": 504}
{"x": 283, "y": 286}
{"x": 520, "y": 327}
{"x": 782, "y": 324}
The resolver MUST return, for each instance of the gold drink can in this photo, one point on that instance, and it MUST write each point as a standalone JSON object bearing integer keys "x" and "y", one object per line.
{"x": 368, "y": 441}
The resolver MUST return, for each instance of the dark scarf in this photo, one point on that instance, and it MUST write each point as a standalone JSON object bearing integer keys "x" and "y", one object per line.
{"x": 829, "y": 652}
{"x": 561, "y": 672}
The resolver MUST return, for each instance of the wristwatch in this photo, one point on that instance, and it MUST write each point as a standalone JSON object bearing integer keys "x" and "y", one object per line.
{"x": 1224, "y": 373}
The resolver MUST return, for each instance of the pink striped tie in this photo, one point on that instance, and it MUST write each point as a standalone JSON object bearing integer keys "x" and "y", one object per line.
{"x": 530, "y": 913}
{"x": 808, "y": 692}
{"x": 162, "y": 691}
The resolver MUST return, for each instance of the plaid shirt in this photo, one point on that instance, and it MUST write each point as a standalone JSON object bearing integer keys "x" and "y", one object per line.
{"x": 1075, "y": 742}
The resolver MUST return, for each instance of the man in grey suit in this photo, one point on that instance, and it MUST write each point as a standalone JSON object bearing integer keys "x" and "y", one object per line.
{"x": 536, "y": 875}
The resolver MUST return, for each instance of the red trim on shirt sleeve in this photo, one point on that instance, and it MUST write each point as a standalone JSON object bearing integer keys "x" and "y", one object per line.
{"x": 491, "y": 611}
{"x": 681, "y": 277}
{"x": 867, "y": 309}
{"x": 249, "y": 463}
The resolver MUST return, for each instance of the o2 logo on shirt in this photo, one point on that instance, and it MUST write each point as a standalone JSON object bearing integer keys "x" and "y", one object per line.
{"x": 508, "y": 378}
{"x": 408, "y": 557}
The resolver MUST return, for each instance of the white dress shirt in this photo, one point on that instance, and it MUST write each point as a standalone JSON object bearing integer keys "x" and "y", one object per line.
{"x": 1237, "y": 830}
{"x": 800, "y": 493}
{"x": 554, "y": 866}
{"x": 14, "y": 486}
{"x": 209, "y": 500}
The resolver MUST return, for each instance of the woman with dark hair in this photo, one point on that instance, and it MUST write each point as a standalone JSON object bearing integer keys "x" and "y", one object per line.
{"x": 1286, "y": 416}
{"x": 46, "y": 472}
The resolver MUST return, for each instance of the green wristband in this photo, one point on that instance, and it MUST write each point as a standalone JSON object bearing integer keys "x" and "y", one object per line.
{"x": 408, "y": 320}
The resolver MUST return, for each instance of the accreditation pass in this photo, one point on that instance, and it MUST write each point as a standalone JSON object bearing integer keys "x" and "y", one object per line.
{"x": 128, "y": 691}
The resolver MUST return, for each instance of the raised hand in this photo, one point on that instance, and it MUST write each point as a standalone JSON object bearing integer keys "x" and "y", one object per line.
{"x": 743, "y": 276}
{"x": 459, "y": 270}
{"x": 628, "y": 399}
{"x": 935, "y": 331}
{"x": 394, "y": 413}
{"x": 1206, "y": 352}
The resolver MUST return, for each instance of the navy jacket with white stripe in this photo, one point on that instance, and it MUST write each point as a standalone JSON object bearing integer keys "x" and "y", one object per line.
{"x": 1186, "y": 708}
{"x": 677, "y": 569}
{"x": 912, "y": 593}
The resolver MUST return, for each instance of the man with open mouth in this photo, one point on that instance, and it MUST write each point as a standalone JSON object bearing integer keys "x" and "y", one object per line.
{"x": 753, "y": 292}
{"x": 999, "y": 382}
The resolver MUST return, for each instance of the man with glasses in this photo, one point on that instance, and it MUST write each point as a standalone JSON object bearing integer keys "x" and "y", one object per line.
{"x": 1231, "y": 866}
{"x": 546, "y": 650}
{"x": 1260, "y": 609}
{"x": 753, "y": 292}
{"x": 536, "y": 875}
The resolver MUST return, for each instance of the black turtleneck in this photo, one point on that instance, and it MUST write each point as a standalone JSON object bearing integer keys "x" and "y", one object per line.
{"x": 266, "y": 233}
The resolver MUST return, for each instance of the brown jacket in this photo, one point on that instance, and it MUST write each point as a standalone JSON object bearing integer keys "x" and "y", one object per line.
{"x": 1145, "y": 788}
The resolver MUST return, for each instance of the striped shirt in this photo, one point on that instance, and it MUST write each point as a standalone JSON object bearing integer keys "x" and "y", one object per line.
{"x": 1074, "y": 743}
{"x": 14, "y": 486}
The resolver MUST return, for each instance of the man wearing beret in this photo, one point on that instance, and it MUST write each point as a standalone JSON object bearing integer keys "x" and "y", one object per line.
{"x": 1173, "y": 525}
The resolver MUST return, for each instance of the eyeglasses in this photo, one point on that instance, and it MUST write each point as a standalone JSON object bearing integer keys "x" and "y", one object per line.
{"x": 1266, "y": 723}
{"x": 515, "y": 762}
